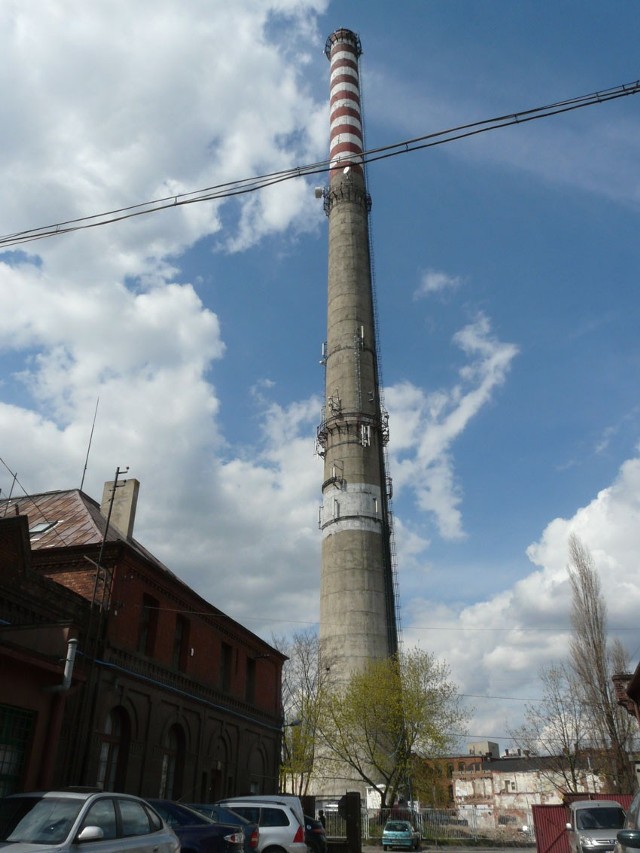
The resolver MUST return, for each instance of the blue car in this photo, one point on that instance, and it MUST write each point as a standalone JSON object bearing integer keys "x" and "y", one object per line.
{"x": 400, "y": 834}
{"x": 197, "y": 833}
{"x": 219, "y": 814}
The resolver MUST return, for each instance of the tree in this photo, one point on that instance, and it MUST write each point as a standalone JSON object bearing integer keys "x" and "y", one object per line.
{"x": 594, "y": 662}
{"x": 578, "y": 725}
{"x": 304, "y": 682}
{"x": 394, "y": 709}
{"x": 558, "y": 728}
{"x": 431, "y": 780}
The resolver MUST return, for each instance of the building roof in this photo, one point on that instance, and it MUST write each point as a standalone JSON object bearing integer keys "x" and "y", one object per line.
{"x": 74, "y": 519}
{"x": 71, "y": 519}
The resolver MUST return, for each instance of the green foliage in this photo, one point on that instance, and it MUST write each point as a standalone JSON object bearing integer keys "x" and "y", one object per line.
{"x": 394, "y": 709}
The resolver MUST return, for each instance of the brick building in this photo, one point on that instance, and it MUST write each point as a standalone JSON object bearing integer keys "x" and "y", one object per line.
{"x": 167, "y": 696}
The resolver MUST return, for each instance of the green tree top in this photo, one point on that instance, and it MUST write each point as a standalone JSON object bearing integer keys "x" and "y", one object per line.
{"x": 394, "y": 709}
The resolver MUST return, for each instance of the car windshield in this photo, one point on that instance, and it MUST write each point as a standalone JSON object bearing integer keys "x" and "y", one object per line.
{"x": 38, "y": 820}
{"x": 605, "y": 818}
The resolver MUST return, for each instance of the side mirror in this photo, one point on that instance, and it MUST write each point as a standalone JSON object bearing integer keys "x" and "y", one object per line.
{"x": 90, "y": 833}
{"x": 629, "y": 837}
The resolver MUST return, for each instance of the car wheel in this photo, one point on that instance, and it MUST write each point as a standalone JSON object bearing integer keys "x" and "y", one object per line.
{"x": 384, "y": 847}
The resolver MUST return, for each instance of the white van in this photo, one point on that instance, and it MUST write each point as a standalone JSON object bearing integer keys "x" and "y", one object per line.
{"x": 594, "y": 825}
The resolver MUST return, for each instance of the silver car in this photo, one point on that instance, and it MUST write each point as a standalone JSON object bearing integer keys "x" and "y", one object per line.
{"x": 280, "y": 818}
{"x": 64, "y": 821}
{"x": 593, "y": 825}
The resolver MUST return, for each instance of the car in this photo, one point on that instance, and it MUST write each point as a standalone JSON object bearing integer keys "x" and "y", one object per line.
{"x": 594, "y": 825}
{"x": 280, "y": 818}
{"x": 197, "y": 833}
{"x": 62, "y": 820}
{"x": 315, "y": 835}
{"x": 628, "y": 838}
{"x": 220, "y": 814}
{"x": 400, "y": 833}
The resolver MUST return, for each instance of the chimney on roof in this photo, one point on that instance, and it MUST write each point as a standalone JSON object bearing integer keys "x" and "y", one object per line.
{"x": 125, "y": 501}
{"x": 14, "y": 545}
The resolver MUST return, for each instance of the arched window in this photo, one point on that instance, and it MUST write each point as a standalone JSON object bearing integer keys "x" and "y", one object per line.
{"x": 172, "y": 764}
{"x": 114, "y": 749}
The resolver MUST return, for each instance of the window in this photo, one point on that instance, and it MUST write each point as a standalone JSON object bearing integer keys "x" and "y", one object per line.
{"x": 273, "y": 817}
{"x": 114, "y": 750}
{"x": 41, "y": 527}
{"x": 154, "y": 820}
{"x": 135, "y": 820}
{"x": 16, "y": 726}
{"x": 148, "y": 625}
{"x": 251, "y": 813}
{"x": 103, "y": 814}
{"x": 172, "y": 764}
{"x": 600, "y": 818}
{"x": 181, "y": 643}
{"x": 226, "y": 661}
{"x": 250, "y": 686}
{"x": 34, "y": 821}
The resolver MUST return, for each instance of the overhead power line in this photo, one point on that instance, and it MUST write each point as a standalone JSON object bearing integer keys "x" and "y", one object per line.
{"x": 372, "y": 155}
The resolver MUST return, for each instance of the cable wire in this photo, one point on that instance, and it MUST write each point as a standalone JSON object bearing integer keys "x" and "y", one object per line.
{"x": 243, "y": 186}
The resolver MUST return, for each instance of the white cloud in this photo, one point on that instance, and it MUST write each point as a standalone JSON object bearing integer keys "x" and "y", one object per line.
{"x": 434, "y": 281}
{"x": 426, "y": 425}
{"x": 108, "y": 105}
{"x": 496, "y": 647}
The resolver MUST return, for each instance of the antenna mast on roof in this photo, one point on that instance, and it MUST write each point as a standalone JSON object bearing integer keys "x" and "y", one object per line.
{"x": 86, "y": 461}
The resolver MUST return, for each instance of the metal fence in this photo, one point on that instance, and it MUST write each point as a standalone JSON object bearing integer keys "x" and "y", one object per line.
{"x": 469, "y": 824}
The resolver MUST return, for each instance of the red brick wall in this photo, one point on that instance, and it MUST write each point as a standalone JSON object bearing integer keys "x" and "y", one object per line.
{"x": 208, "y": 629}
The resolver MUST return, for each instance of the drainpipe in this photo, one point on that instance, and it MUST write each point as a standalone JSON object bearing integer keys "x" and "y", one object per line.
{"x": 52, "y": 738}
{"x": 72, "y": 648}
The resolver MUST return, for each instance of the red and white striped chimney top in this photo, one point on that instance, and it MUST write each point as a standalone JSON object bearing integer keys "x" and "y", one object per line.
{"x": 346, "y": 136}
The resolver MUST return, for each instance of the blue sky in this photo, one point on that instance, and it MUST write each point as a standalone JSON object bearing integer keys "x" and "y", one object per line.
{"x": 506, "y": 279}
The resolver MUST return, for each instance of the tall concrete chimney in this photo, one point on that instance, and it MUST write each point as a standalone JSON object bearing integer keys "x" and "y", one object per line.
{"x": 357, "y": 600}
{"x": 125, "y": 502}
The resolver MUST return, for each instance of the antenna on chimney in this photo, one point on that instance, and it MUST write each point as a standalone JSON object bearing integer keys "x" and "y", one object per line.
{"x": 86, "y": 461}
